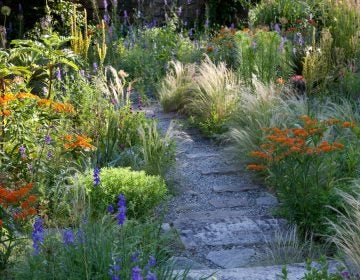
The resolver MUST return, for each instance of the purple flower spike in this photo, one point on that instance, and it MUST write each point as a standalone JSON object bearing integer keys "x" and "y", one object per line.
{"x": 136, "y": 273}
{"x": 68, "y": 237}
{"x": 151, "y": 276}
{"x": 96, "y": 176}
{"x": 58, "y": 74}
{"x": 152, "y": 261}
{"x": 37, "y": 235}
{"x": 110, "y": 209}
{"x": 22, "y": 151}
{"x": 121, "y": 216}
{"x": 277, "y": 28}
{"x": 122, "y": 200}
{"x": 47, "y": 140}
{"x": 135, "y": 257}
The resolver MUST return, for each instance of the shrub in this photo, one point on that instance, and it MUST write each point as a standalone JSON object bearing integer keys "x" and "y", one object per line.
{"x": 145, "y": 54}
{"x": 143, "y": 192}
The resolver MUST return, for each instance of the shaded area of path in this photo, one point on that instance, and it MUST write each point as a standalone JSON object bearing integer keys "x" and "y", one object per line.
{"x": 223, "y": 219}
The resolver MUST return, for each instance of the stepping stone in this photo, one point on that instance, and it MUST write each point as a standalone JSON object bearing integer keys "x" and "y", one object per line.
{"x": 295, "y": 272}
{"x": 245, "y": 232}
{"x": 232, "y": 258}
{"x": 234, "y": 188}
{"x": 225, "y": 202}
{"x": 185, "y": 263}
{"x": 201, "y": 155}
{"x": 221, "y": 171}
{"x": 266, "y": 200}
{"x": 188, "y": 206}
{"x": 207, "y": 217}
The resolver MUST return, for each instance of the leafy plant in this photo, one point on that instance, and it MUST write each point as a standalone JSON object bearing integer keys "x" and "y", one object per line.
{"x": 142, "y": 191}
{"x": 303, "y": 169}
{"x": 157, "y": 150}
{"x": 100, "y": 249}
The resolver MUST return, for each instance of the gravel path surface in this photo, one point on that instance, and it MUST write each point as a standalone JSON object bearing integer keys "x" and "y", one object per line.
{"x": 224, "y": 220}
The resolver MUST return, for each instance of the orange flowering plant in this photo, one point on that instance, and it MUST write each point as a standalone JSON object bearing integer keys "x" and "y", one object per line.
{"x": 304, "y": 168}
{"x": 16, "y": 206}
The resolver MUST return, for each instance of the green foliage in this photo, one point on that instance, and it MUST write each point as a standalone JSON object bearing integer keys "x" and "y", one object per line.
{"x": 146, "y": 53}
{"x": 264, "y": 55}
{"x": 320, "y": 271}
{"x": 97, "y": 247}
{"x": 158, "y": 152}
{"x": 143, "y": 192}
{"x": 120, "y": 132}
{"x": 315, "y": 271}
{"x": 305, "y": 169}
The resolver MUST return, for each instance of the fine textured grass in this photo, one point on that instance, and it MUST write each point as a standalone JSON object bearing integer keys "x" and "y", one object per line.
{"x": 176, "y": 86}
{"x": 347, "y": 229}
{"x": 261, "y": 107}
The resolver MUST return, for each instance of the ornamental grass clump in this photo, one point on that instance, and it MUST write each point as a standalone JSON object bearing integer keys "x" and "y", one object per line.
{"x": 304, "y": 168}
{"x": 215, "y": 99}
{"x": 347, "y": 228}
{"x": 176, "y": 86}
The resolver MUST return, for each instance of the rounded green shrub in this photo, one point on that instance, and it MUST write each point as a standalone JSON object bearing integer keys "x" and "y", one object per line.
{"x": 142, "y": 192}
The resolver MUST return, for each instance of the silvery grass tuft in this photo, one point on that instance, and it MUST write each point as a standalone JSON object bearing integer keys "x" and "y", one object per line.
{"x": 176, "y": 86}
{"x": 347, "y": 229}
{"x": 260, "y": 107}
{"x": 217, "y": 92}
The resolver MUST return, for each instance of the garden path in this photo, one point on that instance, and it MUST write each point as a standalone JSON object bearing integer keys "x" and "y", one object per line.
{"x": 223, "y": 219}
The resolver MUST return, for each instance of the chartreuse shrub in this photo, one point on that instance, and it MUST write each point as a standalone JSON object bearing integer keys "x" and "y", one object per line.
{"x": 143, "y": 192}
{"x": 97, "y": 249}
{"x": 305, "y": 163}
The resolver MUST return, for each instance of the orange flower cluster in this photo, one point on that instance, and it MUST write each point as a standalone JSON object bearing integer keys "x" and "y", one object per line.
{"x": 79, "y": 141}
{"x": 26, "y": 95}
{"x": 19, "y": 197}
{"x": 5, "y": 113}
{"x": 256, "y": 167}
{"x": 292, "y": 142}
{"x": 6, "y": 98}
{"x": 57, "y": 106}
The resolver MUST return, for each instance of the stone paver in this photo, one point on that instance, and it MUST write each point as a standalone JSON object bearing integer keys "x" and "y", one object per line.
{"x": 223, "y": 219}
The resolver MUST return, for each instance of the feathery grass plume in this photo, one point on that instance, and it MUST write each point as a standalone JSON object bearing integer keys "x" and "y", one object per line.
{"x": 217, "y": 93}
{"x": 347, "y": 229}
{"x": 287, "y": 247}
{"x": 259, "y": 108}
{"x": 113, "y": 86}
{"x": 176, "y": 86}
